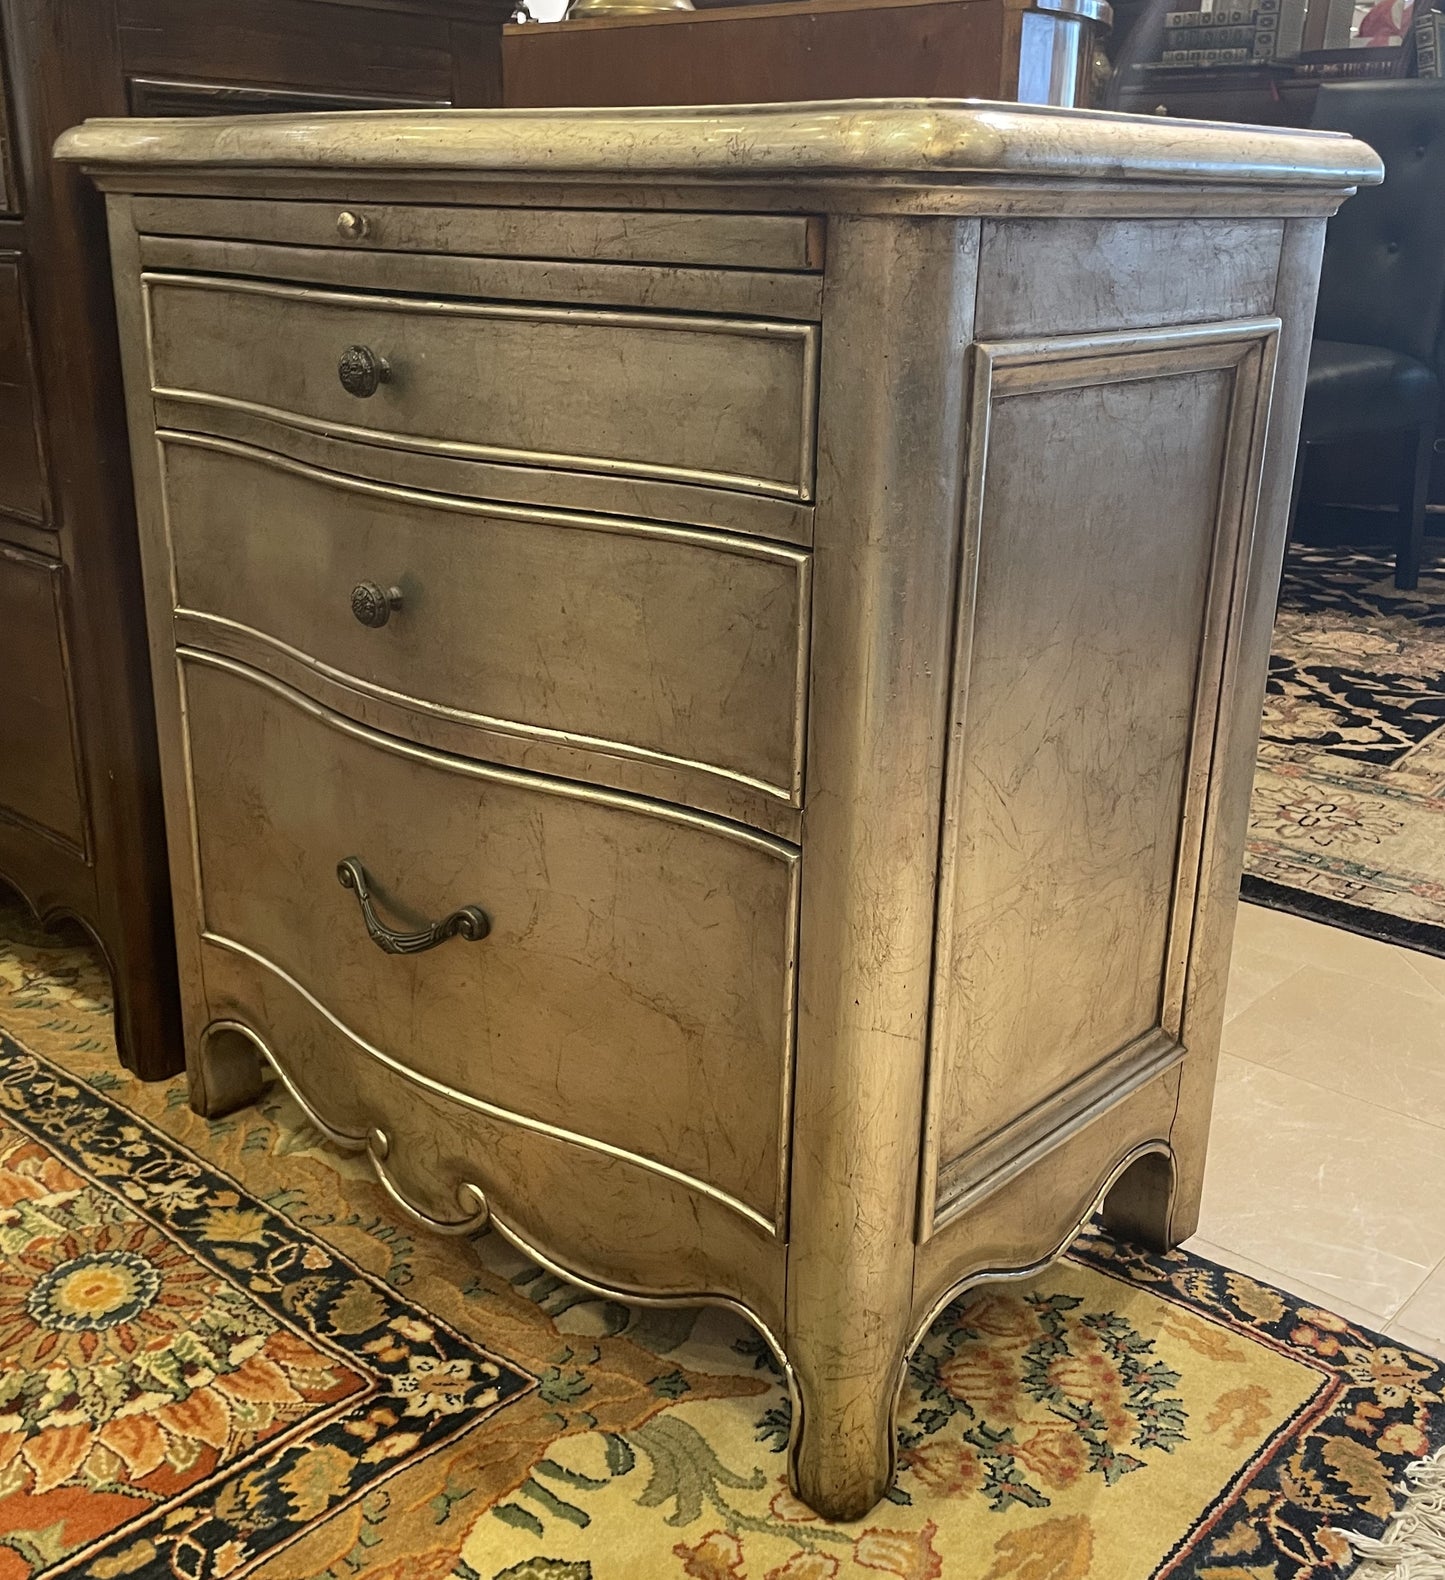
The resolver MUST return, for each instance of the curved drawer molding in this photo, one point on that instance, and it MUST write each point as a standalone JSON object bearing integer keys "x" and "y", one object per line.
{"x": 611, "y": 1220}
{"x": 634, "y": 993}
{"x": 725, "y": 402}
{"x": 680, "y": 648}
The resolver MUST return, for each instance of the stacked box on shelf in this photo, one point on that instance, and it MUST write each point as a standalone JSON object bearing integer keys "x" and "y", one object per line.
{"x": 1429, "y": 44}
{"x": 1221, "y": 36}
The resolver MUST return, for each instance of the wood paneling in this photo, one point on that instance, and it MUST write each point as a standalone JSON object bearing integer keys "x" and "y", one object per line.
{"x": 769, "y": 53}
{"x": 9, "y": 190}
{"x": 39, "y": 781}
{"x": 22, "y": 472}
{"x": 280, "y": 43}
{"x": 62, "y": 62}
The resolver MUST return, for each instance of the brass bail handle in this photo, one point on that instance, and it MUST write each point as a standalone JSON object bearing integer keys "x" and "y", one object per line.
{"x": 468, "y": 921}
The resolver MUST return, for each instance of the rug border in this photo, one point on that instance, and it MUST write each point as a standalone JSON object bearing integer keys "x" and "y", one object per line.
{"x": 1085, "y": 1252}
{"x": 1383, "y": 927}
{"x": 137, "y": 1525}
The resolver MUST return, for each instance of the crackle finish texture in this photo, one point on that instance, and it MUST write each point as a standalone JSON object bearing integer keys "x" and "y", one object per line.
{"x": 832, "y": 668}
{"x": 364, "y": 1397}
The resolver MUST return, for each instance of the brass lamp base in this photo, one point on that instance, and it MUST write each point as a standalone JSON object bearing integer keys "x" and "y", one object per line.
{"x": 585, "y": 8}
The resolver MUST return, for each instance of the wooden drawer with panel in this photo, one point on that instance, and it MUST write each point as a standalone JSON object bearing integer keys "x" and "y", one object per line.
{"x": 722, "y": 401}
{"x": 611, "y": 924}
{"x": 512, "y": 628}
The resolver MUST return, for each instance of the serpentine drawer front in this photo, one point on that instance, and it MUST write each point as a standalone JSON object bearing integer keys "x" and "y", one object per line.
{"x": 660, "y": 1026}
{"x": 667, "y": 645}
{"x": 708, "y": 665}
{"x": 726, "y": 402}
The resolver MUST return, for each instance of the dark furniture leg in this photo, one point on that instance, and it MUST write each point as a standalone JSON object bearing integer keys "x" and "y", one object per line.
{"x": 1294, "y": 489}
{"x": 1414, "y": 493}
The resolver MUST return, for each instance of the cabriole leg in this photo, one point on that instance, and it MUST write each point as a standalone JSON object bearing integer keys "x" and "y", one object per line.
{"x": 226, "y": 1072}
{"x": 843, "y": 1456}
{"x": 1140, "y": 1206}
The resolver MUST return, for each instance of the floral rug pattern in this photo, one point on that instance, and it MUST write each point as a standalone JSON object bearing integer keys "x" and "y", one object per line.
{"x": 221, "y": 1355}
{"x": 1348, "y": 817}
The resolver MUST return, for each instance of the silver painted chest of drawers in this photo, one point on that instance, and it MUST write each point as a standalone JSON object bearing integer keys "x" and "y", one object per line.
{"x": 708, "y": 665}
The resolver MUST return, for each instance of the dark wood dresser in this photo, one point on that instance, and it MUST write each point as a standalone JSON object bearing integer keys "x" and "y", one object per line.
{"x": 1033, "y": 51}
{"x": 81, "y": 831}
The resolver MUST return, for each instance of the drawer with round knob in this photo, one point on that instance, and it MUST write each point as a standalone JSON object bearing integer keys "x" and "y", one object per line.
{"x": 786, "y": 242}
{"x": 717, "y": 401}
{"x": 678, "y": 651}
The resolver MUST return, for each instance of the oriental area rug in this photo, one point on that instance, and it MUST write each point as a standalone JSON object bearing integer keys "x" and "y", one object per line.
{"x": 221, "y": 1354}
{"x": 1348, "y": 818}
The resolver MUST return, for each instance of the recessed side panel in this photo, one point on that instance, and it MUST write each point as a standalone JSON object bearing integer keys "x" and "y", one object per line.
{"x": 1110, "y": 497}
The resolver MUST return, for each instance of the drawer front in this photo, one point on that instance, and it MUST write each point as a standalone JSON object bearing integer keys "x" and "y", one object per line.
{"x": 635, "y": 990}
{"x": 727, "y": 402}
{"x": 22, "y": 475}
{"x": 725, "y": 241}
{"x": 684, "y": 648}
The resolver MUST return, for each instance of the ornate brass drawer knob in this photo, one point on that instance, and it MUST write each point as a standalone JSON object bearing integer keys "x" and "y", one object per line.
{"x": 373, "y": 605}
{"x": 351, "y": 226}
{"x": 468, "y": 921}
{"x": 361, "y": 371}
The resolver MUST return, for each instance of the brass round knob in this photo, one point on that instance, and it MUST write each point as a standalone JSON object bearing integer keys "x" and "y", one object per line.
{"x": 361, "y": 371}
{"x": 373, "y": 605}
{"x": 351, "y": 226}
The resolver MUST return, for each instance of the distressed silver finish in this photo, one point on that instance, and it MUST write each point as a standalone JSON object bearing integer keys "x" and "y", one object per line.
{"x": 723, "y": 401}
{"x": 682, "y": 650}
{"x": 832, "y": 632}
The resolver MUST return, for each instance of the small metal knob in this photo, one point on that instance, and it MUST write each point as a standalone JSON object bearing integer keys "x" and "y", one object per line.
{"x": 373, "y": 605}
{"x": 361, "y": 371}
{"x": 350, "y": 226}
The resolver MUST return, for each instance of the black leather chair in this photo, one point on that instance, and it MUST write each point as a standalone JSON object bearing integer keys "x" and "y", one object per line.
{"x": 1377, "y": 357}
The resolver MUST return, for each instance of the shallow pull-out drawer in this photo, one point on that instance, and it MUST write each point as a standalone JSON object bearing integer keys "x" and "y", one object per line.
{"x": 727, "y": 402}
{"x": 791, "y": 242}
{"x": 634, "y": 987}
{"x": 681, "y": 648}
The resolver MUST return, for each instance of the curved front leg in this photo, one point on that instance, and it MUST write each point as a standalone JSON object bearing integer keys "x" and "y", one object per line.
{"x": 225, "y": 1070}
{"x": 1140, "y": 1204}
{"x": 844, "y": 1449}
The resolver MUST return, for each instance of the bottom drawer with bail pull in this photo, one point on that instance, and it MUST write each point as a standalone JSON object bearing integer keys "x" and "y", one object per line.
{"x": 610, "y": 966}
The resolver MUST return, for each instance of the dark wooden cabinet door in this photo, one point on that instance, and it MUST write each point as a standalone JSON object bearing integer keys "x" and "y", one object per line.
{"x": 9, "y": 192}
{"x": 39, "y": 781}
{"x": 81, "y": 827}
{"x": 22, "y": 472}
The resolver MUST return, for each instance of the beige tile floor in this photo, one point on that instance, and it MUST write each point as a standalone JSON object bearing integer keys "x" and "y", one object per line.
{"x": 1326, "y": 1171}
